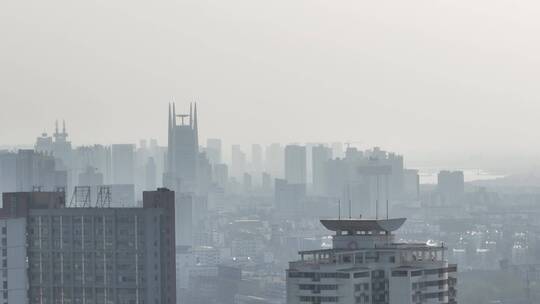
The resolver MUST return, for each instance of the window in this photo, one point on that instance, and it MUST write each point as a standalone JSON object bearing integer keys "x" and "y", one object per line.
{"x": 364, "y": 274}
{"x": 400, "y": 273}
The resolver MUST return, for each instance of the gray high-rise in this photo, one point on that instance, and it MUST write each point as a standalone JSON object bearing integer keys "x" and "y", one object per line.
{"x": 123, "y": 163}
{"x": 96, "y": 255}
{"x": 319, "y": 158}
{"x": 183, "y": 149}
{"x": 295, "y": 164}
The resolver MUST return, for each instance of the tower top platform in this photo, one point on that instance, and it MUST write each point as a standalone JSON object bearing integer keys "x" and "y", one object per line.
{"x": 363, "y": 225}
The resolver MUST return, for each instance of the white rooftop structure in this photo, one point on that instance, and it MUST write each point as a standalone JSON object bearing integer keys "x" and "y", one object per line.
{"x": 366, "y": 265}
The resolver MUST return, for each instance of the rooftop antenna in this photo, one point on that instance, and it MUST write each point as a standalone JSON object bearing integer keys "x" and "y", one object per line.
{"x": 377, "y": 200}
{"x": 349, "y": 197}
{"x": 339, "y": 209}
{"x": 386, "y": 194}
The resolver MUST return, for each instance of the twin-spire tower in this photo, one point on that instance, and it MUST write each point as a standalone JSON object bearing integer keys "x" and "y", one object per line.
{"x": 183, "y": 150}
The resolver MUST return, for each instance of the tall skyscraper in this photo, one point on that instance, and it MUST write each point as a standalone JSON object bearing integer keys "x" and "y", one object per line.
{"x": 183, "y": 150}
{"x": 295, "y": 164}
{"x": 366, "y": 265}
{"x": 123, "y": 163}
{"x": 275, "y": 160}
{"x": 238, "y": 162}
{"x": 320, "y": 156}
{"x": 256, "y": 158}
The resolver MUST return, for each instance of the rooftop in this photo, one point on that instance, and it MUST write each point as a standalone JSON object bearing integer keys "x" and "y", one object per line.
{"x": 363, "y": 225}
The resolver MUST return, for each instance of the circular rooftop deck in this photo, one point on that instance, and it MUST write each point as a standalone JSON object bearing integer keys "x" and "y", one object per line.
{"x": 363, "y": 225}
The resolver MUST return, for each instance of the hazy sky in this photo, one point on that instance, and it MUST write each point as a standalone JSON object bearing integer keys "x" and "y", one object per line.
{"x": 409, "y": 75}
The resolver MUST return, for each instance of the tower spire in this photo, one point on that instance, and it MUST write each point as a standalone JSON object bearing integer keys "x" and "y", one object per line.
{"x": 196, "y": 126}
{"x": 169, "y": 140}
{"x": 191, "y": 114}
{"x": 169, "y": 117}
{"x": 173, "y": 114}
{"x": 64, "y": 127}
{"x": 56, "y": 127}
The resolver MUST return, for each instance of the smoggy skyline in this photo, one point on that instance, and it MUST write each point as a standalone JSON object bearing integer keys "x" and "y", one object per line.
{"x": 462, "y": 82}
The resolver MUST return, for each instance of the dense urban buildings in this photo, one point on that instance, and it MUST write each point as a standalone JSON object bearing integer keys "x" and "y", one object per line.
{"x": 243, "y": 212}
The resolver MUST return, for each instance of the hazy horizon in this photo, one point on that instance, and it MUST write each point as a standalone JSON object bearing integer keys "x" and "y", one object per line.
{"x": 462, "y": 84}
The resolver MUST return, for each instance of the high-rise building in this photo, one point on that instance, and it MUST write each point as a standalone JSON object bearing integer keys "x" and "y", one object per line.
{"x": 14, "y": 281}
{"x": 8, "y": 171}
{"x": 289, "y": 198}
{"x": 28, "y": 170}
{"x": 256, "y": 158}
{"x": 87, "y": 255}
{"x": 451, "y": 186}
{"x": 320, "y": 156}
{"x": 295, "y": 164}
{"x": 150, "y": 174}
{"x": 337, "y": 150}
{"x": 266, "y": 182}
{"x": 90, "y": 177}
{"x": 184, "y": 214}
{"x": 44, "y": 144}
{"x": 238, "y": 162}
{"x": 411, "y": 183}
{"x": 106, "y": 255}
{"x": 183, "y": 150}
{"x": 247, "y": 183}
{"x": 96, "y": 156}
{"x": 274, "y": 160}
{"x": 164, "y": 200}
{"x": 366, "y": 265}
{"x": 221, "y": 175}
{"x": 123, "y": 163}
{"x": 62, "y": 147}
{"x": 213, "y": 150}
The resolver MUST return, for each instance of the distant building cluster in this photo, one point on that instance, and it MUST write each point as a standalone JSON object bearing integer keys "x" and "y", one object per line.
{"x": 197, "y": 223}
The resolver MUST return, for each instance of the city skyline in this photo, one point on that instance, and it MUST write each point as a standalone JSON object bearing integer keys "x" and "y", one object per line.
{"x": 269, "y": 152}
{"x": 430, "y": 158}
{"x": 336, "y": 72}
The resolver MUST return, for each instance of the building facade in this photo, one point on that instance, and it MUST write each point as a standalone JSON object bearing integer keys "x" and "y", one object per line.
{"x": 53, "y": 254}
{"x": 366, "y": 265}
{"x": 295, "y": 164}
{"x": 14, "y": 281}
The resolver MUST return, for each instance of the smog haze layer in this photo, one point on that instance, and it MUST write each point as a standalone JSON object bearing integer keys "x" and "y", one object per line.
{"x": 439, "y": 79}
